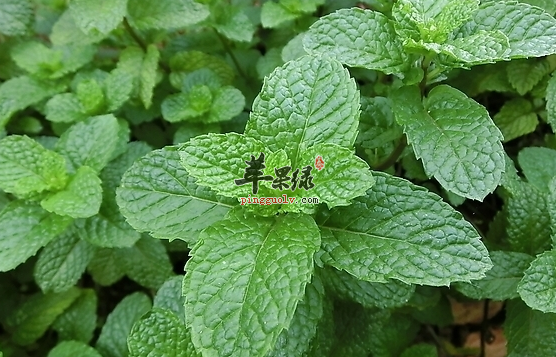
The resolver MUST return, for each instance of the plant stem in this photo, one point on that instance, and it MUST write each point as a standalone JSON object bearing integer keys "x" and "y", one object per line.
{"x": 229, "y": 51}
{"x": 394, "y": 155}
{"x": 134, "y": 35}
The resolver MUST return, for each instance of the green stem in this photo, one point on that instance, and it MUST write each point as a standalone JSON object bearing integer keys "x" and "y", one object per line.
{"x": 229, "y": 51}
{"x": 393, "y": 157}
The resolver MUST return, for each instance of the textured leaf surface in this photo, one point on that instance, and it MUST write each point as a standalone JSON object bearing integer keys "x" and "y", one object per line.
{"x": 369, "y": 295}
{"x": 500, "y": 283}
{"x": 64, "y": 108}
{"x": 26, "y": 167}
{"x": 105, "y": 267}
{"x": 113, "y": 336}
{"x": 550, "y": 102}
{"x": 170, "y": 297}
{"x": 538, "y": 287}
{"x": 79, "y": 321}
{"x": 455, "y": 137}
{"x": 401, "y": 231}
{"x": 65, "y": 31}
{"x": 531, "y": 31}
{"x": 524, "y": 75}
{"x": 232, "y": 22}
{"x": 26, "y": 228}
{"x": 81, "y": 198}
{"x": 146, "y": 262}
{"x": 244, "y": 280}
{"x": 31, "y": 320}
{"x": 538, "y": 165}
{"x": 90, "y": 142}
{"x": 73, "y": 348}
{"x": 15, "y": 16}
{"x": 158, "y": 196}
{"x": 274, "y": 14}
{"x": 165, "y": 14}
{"x": 160, "y": 334}
{"x": 62, "y": 262}
{"x": 310, "y": 100}
{"x": 516, "y": 118}
{"x": 529, "y": 332}
{"x": 148, "y": 75}
{"x": 94, "y": 15}
{"x": 358, "y": 38}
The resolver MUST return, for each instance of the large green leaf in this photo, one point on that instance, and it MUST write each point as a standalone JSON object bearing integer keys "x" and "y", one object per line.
{"x": 401, "y": 231}
{"x": 26, "y": 228}
{"x": 158, "y": 196}
{"x": 307, "y": 101}
{"x": 455, "y": 137}
{"x": 15, "y": 16}
{"x": 95, "y": 15}
{"x": 79, "y": 321}
{"x": 165, "y": 14}
{"x": 538, "y": 286}
{"x": 358, "y": 38}
{"x": 244, "y": 280}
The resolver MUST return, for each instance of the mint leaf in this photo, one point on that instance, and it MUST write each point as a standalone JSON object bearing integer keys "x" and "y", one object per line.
{"x": 538, "y": 286}
{"x": 105, "y": 267}
{"x": 73, "y": 348}
{"x": 232, "y": 22}
{"x": 216, "y": 160}
{"x": 62, "y": 262}
{"x": 516, "y": 118}
{"x": 382, "y": 295}
{"x": 15, "y": 16}
{"x": 118, "y": 87}
{"x": 26, "y": 229}
{"x": 26, "y": 167}
{"x": 146, "y": 262}
{"x": 81, "y": 198}
{"x": 274, "y": 14}
{"x": 242, "y": 270}
{"x": 148, "y": 75}
{"x": 102, "y": 16}
{"x": 165, "y": 14}
{"x": 228, "y": 102}
{"x": 159, "y": 197}
{"x": 90, "y": 142}
{"x": 185, "y": 63}
{"x": 65, "y": 108}
{"x": 65, "y": 31}
{"x": 531, "y": 31}
{"x": 500, "y": 283}
{"x": 550, "y": 102}
{"x": 455, "y": 137}
{"x": 524, "y": 75}
{"x": 170, "y": 297}
{"x": 32, "y": 318}
{"x": 344, "y": 177}
{"x": 420, "y": 350}
{"x": 78, "y": 322}
{"x": 529, "y": 332}
{"x": 113, "y": 336}
{"x": 358, "y": 38}
{"x": 538, "y": 165}
{"x": 389, "y": 233}
{"x": 313, "y": 97}
{"x": 160, "y": 333}
{"x": 90, "y": 96}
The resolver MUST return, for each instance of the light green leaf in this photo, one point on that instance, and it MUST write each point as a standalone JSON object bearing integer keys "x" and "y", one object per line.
{"x": 186, "y": 62}
{"x": 160, "y": 334}
{"x": 217, "y": 160}
{"x": 531, "y": 31}
{"x": 524, "y": 75}
{"x": 228, "y": 102}
{"x": 93, "y": 15}
{"x": 105, "y": 267}
{"x": 500, "y": 283}
{"x": 90, "y": 96}
{"x": 455, "y": 137}
{"x": 32, "y": 318}
{"x": 146, "y": 262}
{"x": 62, "y": 262}
{"x": 165, "y": 14}
{"x": 529, "y": 332}
{"x": 294, "y": 48}
{"x": 296, "y": 340}
{"x": 170, "y": 297}
{"x": 538, "y": 286}
{"x": 178, "y": 107}
{"x": 64, "y": 108}
{"x": 244, "y": 280}
{"x": 538, "y": 165}
{"x": 271, "y": 59}
{"x": 420, "y": 350}
{"x": 159, "y": 197}
{"x": 358, "y": 38}
{"x": 21, "y": 92}
{"x": 15, "y": 16}
{"x": 274, "y": 14}
{"x": 26, "y": 228}
{"x": 344, "y": 176}
{"x": 516, "y": 118}
{"x": 310, "y": 100}
{"x": 65, "y": 31}
{"x": 81, "y": 198}
{"x": 118, "y": 87}
{"x": 550, "y": 103}
{"x": 401, "y": 231}
{"x": 26, "y": 167}
{"x": 73, "y": 348}
{"x": 233, "y": 23}
{"x": 148, "y": 75}
{"x": 79, "y": 321}
{"x": 90, "y": 142}
{"x": 113, "y": 336}
{"x": 382, "y": 295}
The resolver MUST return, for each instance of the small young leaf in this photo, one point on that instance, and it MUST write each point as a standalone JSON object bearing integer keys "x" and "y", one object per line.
{"x": 62, "y": 262}
{"x": 15, "y": 16}
{"x": 233, "y": 23}
{"x": 113, "y": 336}
{"x": 91, "y": 96}
{"x": 455, "y": 137}
{"x": 65, "y": 108}
{"x": 79, "y": 321}
{"x": 159, "y": 197}
{"x": 274, "y": 14}
{"x": 160, "y": 334}
{"x": 73, "y": 348}
{"x": 228, "y": 102}
{"x": 401, "y": 231}
{"x": 244, "y": 280}
{"x": 26, "y": 228}
{"x": 165, "y": 14}
{"x": 538, "y": 165}
{"x": 524, "y": 75}
{"x": 358, "y": 38}
{"x": 94, "y": 15}
{"x": 185, "y": 63}
{"x": 146, "y": 262}
{"x": 500, "y": 283}
{"x": 516, "y": 118}
{"x": 118, "y": 87}
{"x": 307, "y": 101}
{"x": 148, "y": 75}
{"x": 538, "y": 286}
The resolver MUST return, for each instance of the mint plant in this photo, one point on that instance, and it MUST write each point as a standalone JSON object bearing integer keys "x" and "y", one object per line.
{"x": 276, "y": 178}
